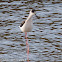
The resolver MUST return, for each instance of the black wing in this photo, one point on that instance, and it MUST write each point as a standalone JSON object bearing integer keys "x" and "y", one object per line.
{"x": 22, "y": 23}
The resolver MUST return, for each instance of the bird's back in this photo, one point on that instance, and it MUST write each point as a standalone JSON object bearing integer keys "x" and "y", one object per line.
{"x": 22, "y": 23}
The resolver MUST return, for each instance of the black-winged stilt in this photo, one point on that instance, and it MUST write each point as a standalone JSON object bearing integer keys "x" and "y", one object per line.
{"x": 27, "y": 25}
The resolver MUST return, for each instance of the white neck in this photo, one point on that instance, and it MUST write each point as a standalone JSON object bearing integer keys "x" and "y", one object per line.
{"x": 29, "y": 17}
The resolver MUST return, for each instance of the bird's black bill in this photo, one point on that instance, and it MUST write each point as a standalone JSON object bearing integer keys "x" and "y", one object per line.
{"x": 37, "y": 16}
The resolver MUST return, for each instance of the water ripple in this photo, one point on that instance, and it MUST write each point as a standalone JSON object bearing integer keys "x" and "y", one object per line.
{"x": 45, "y": 40}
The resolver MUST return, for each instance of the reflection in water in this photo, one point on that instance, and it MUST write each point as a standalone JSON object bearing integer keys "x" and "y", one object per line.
{"x": 45, "y": 40}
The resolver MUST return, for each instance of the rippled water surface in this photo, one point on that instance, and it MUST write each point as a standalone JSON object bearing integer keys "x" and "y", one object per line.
{"x": 45, "y": 40}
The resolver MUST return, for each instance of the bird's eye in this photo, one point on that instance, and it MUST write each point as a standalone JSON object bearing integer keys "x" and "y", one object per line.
{"x": 33, "y": 10}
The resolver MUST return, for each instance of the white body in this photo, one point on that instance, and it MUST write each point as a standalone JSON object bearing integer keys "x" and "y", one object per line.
{"x": 28, "y": 25}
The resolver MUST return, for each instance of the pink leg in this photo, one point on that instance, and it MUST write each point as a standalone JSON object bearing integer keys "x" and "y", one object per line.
{"x": 27, "y": 46}
{"x": 26, "y": 38}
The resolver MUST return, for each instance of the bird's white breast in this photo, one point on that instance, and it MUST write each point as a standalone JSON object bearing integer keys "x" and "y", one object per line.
{"x": 27, "y": 27}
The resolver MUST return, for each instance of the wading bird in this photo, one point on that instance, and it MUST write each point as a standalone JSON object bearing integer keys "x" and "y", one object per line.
{"x": 27, "y": 25}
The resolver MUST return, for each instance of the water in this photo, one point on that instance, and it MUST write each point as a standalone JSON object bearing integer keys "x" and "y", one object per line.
{"x": 45, "y": 40}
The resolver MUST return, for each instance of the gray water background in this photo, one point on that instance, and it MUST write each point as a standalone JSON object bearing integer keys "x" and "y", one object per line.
{"x": 45, "y": 40}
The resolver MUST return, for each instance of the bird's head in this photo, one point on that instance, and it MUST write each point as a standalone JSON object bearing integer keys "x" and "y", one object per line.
{"x": 33, "y": 11}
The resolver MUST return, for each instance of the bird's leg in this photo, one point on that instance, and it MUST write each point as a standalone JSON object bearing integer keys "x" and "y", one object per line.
{"x": 26, "y": 38}
{"x": 27, "y": 42}
{"x": 27, "y": 45}
{"x": 25, "y": 35}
